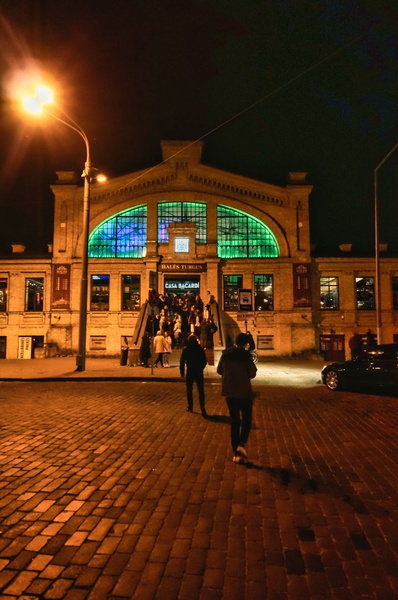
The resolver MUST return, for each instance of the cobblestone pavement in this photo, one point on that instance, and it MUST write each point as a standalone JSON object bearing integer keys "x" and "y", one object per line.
{"x": 110, "y": 490}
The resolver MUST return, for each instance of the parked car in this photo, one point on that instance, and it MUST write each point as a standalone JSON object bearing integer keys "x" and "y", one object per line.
{"x": 373, "y": 367}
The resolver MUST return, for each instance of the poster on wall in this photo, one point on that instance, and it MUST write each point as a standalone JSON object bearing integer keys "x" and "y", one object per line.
{"x": 61, "y": 287}
{"x": 245, "y": 300}
{"x": 24, "y": 347}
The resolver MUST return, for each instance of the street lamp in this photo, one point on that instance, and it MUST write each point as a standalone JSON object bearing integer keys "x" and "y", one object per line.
{"x": 36, "y": 104}
{"x": 377, "y": 243}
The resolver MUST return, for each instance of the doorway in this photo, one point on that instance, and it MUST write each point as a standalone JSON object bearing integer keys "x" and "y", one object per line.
{"x": 332, "y": 347}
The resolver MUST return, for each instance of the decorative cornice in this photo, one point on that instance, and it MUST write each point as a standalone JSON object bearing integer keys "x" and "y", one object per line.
{"x": 200, "y": 181}
{"x": 234, "y": 189}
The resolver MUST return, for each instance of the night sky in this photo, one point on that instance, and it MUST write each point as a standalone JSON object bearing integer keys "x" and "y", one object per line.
{"x": 270, "y": 86}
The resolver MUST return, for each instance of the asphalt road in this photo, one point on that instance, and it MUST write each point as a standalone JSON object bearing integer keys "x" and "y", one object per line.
{"x": 110, "y": 490}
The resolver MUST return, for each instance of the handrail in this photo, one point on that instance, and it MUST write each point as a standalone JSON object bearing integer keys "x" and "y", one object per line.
{"x": 141, "y": 323}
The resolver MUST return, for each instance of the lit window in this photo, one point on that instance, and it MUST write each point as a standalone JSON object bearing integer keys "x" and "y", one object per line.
{"x": 240, "y": 235}
{"x": 99, "y": 292}
{"x": 34, "y": 294}
{"x": 232, "y": 284}
{"x": 121, "y": 236}
{"x": 130, "y": 292}
{"x": 263, "y": 292}
{"x": 182, "y": 212}
{"x": 329, "y": 292}
{"x": 3, "y": 294}
{"x": 365, "y": 293}
{"x": 181, "y": 244}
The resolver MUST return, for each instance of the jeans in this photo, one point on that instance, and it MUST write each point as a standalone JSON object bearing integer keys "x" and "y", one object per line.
{"x": 200, "y": 383}
{"x": 241, "y": 420}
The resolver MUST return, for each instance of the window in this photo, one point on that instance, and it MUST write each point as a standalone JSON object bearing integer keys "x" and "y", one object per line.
{"x": 121, "y": 236}
{"x": 130, "y": 292}
{"x": 182, "y": 212}
{"x": 365, "y": 293}
{"x": 394, "y": 282}
{"x": 240, "y": 235}
{"x": 34, "y": 293}
{"x": 232, "y": 283}
{"x": 3, "y": 294}
{"x": 329, "y": 292}
{"x": 263, "y": 292}
{"x": 99, "y": 292}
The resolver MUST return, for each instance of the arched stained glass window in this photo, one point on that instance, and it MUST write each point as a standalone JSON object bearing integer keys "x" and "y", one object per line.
{"x": 182, "y": 212}
{"x": 240, "y": 235}
{"x": 121, "y": 236}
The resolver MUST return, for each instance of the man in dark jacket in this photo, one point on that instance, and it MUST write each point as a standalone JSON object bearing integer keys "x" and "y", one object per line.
{"x": 194, "y": 357}
{"x": 237, "y": 368}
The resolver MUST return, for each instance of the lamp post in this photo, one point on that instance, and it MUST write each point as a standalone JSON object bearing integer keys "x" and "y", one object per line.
{"x": 37, "y": 104}
{"x": 377, "y": 243}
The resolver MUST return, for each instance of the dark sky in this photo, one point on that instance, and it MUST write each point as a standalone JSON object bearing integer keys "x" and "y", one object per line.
{"x": 271, "y": 86}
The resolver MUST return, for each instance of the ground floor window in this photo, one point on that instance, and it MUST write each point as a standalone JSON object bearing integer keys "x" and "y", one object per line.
{"x": 329, "y": 292}
{"x": 3, "y": 294}
{"x": 34, "y": 293}
{"x": 232, "y": 284}
{"x": 3, "y": 346}
{"x": 394, "y": 283}
{"x": 364, "y": 287}
{"x": 263, "y": 292}
{"x": 99, "y": 292}
{"x": 130, "y": 292}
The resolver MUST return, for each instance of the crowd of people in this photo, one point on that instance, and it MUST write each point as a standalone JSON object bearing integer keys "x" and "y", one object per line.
{"x": 174, "y": 318}
{"x": 186, "y": 321}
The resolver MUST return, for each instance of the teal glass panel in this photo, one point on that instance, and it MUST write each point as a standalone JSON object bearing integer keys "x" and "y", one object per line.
{"x": 240, "y": 235}
{"x": 182, "y": 212}
{"x": 121, "y": 236}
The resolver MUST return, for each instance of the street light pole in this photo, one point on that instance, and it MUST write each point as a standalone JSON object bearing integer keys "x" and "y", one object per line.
{"x": 377, "y": 244}
{"x": 87, "y": 175}
{"x": 37, "y": 103}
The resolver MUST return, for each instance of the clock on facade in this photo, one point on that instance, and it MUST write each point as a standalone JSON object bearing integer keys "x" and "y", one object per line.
{"x": 181, "y": 244}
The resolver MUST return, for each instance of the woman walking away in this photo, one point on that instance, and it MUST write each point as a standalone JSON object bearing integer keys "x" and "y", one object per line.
{"x": 158, "y": 348}
{"x": 167, "y": 349}
{"x": 237, "y": 368}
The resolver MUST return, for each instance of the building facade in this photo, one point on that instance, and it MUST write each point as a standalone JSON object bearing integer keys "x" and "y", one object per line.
{"x": 180, "y": 226}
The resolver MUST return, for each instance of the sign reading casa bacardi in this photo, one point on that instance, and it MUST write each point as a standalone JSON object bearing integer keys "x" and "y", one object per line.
{"x": 183, "y": 267}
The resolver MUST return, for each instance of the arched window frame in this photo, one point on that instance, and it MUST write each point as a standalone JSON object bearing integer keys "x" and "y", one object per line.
{"x": 123, "y": 235}
{"x": 240, "y": 235}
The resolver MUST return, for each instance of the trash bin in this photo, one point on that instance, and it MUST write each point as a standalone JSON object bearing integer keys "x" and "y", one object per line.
{"x": 123, "y": 357}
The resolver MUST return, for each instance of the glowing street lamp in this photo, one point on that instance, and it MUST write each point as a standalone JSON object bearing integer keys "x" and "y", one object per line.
{"x": 37, "y": 103}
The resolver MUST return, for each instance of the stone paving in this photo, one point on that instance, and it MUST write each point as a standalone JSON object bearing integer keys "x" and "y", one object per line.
{"x": 110, "y": 490}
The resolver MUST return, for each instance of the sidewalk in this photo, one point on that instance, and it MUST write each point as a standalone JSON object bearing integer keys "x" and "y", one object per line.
{"x": 279, "y": 372}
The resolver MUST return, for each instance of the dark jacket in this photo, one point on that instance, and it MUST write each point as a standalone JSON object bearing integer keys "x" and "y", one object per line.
{"x": 194, "y": 357}
{"x": 237, "y": 368}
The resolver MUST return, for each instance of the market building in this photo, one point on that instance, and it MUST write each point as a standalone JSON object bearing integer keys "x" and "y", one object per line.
{"x": 185, "y": 226}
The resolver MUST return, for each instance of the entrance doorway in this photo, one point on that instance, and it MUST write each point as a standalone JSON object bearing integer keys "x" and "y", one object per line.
{"x": 181, "y": 285}
{"x": 332, "y": 347}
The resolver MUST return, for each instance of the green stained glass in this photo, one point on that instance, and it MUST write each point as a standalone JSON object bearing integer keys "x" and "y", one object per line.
{"x": 182, "y": 212}
{"x": 121, "y": 236}
{"x": 240, "y": 235}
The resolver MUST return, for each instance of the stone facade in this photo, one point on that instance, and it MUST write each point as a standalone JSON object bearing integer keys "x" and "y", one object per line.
{"x": 296, "y": 324}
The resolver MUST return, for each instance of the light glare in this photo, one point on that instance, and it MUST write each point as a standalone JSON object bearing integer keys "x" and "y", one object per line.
{"x": 32, "y": 104}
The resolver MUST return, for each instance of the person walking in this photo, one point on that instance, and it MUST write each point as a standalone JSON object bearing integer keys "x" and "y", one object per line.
{"x": 237, "y": 368}
{"x": 167, "y": 349}
{"x": 355, "y": 344}
{"x": 158, "y": 348}
{"x": 193, "y": 358}
{"x": 145, "y": 349}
